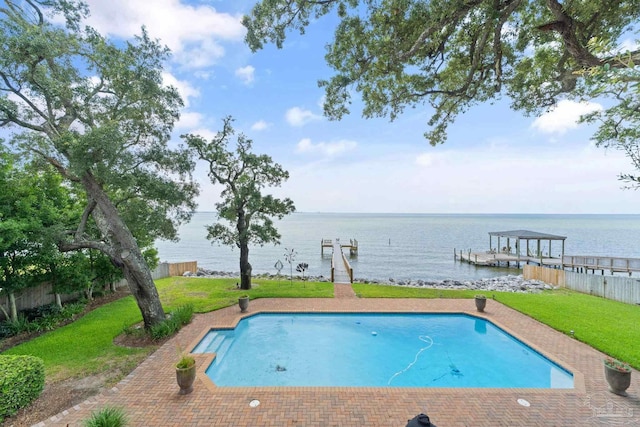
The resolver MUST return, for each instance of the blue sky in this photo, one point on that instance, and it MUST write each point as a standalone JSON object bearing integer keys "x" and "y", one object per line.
{"x": 495, "y": 160}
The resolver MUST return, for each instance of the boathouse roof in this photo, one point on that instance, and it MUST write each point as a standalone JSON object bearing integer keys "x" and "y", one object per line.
{"x": 526, "y": 234}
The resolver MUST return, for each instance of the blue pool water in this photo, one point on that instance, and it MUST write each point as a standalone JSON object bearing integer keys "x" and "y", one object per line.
{"x": 375, "y": 350}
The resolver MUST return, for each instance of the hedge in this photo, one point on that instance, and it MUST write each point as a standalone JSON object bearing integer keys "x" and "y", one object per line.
{"x": 21, "y": 382}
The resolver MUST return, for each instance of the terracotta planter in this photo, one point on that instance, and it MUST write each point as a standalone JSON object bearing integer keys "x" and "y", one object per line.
{"x": 618, "y": 380}
{"x": 185, "y": 378}
{"x": 480, "y": 303}
{"x": 243, "y": 302}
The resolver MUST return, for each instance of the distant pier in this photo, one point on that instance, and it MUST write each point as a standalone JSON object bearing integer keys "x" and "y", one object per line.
{"x": 341, "y": 270}
{"x": 523, "y": 254}
{"x": 328, "y": 243}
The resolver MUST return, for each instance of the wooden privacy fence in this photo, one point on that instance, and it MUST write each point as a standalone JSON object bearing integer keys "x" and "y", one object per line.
{"x": 43, "y": 294}
{"x": 179, "y": 268}
{"x": 624, "y": 289}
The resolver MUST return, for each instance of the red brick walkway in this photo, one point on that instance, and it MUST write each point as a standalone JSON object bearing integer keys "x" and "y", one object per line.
{"x": 150, "y": 397}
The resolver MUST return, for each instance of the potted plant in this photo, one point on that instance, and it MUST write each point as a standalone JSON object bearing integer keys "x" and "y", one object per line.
{"x": 618, "y": 375}
{"x": 243, "y": 302}
{"x": 481, "y": 302}
{"x": 186, "y": 373}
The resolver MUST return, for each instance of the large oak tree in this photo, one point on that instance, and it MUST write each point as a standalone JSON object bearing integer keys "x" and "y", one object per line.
{"x": 453, "y": 54}
{"x": 99, "y": 113}
{"x": 243, "y": 175}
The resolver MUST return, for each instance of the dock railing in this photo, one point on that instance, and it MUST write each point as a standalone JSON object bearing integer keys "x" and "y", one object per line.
{"x": 333, "y": 270}
{"x": 348, "y": 267}
{"x": 611, "y": 264}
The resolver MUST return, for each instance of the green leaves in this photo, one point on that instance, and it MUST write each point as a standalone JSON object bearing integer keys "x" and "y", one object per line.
{"x": 243, "y": 175}
{"x": 449, "y": 55}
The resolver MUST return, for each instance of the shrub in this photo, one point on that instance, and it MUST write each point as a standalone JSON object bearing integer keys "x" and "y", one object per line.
{"x": 183, "y": 314}
{"x": 19, "y": 326}
{"x": 107, "y": 417}
{"x": 172, "y": 324}
{"x": 21, "y": 382}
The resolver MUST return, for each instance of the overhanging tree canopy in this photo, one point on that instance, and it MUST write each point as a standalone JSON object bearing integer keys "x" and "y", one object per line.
{"x": 453, "y": 54}
{"x": 99, "y": 113}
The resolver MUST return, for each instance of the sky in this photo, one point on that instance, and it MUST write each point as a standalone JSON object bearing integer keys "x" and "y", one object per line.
{"x": 494, "y": 161}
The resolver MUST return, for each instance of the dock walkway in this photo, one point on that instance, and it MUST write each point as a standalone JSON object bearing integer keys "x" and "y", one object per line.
{"x": 341, "y": 272}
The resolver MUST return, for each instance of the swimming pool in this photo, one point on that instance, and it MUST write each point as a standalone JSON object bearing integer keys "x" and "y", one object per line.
{"x": 375, "y": 350}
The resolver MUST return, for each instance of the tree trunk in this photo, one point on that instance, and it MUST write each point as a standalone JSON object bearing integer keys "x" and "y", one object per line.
{"x": 58, "y": 300}
{"x": 13, "y": 310}
{"x": 125, "y": 253}
{"x": 245, "y": 267}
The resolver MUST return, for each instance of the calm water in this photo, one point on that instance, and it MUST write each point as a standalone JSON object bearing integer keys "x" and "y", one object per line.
{"x": 406, "y": 246}
{"x": 375, "y": 350}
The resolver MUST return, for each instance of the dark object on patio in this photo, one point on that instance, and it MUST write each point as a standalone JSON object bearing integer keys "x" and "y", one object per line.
{"x": 420, "y": 420}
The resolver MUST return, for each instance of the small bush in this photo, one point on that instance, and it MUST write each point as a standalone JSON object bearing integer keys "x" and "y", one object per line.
{"x": 21, "y": 382}
{"x": 172, "y": 324}
{"x": 69, "y": 311}
{"x": 20, "y": 325}
{"x": 183, "y": 314}
{"x": 107, "y": 417}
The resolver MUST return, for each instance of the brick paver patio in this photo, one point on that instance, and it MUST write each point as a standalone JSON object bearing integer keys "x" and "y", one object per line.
{"x": 150, "y": 397}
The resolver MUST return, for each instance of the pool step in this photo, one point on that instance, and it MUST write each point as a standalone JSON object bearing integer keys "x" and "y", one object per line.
{"x": 224, "y": 346}
{"x": 209, "y": 344}
{"x": 214, "y": 343}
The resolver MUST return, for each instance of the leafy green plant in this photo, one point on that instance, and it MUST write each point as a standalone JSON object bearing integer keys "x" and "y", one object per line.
{"x": 21, "y": 382}
{"x": 20, "y": 325}
{"x": 172, "y": 324}
{"x": 183, "y": 314}
{"x": 185, "y": 362}
{"x": 109, "y": 416}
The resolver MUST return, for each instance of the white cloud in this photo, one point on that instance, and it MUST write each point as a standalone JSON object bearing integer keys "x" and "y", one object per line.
{"x": 189, "y": 120}
{"x": 185, "y": 89}
{"x": 246, "y": 74}
{"x": 207, "y": 134}
{"x": 296, "y": 116}
{"x": 192, "y": 32}
{"x": 424, "y": 159}
{"x": 260, "y": 125}
{"x": 564, "y": 116}
{"x": 326, "y": 148}
{"x": 629, "y": 45}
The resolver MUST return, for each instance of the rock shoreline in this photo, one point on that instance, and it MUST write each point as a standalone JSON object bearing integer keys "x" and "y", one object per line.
{"x": 509, "y": 283}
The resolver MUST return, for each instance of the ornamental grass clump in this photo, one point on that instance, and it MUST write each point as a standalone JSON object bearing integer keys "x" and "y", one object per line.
{"x": 172, "y": 324}
{"x": 185, "y": 362}
{"x": 107, "y": 417}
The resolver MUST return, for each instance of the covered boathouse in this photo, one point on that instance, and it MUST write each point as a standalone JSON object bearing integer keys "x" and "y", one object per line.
{"x": 515, "y": 246}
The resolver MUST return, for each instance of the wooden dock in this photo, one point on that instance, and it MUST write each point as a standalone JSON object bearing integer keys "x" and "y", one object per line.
{"x": 578, "y": 263}
{"x": 328, "y": 243}
{"x": 341, "y": 271}
{"x": 495, "y": 259}
{"x": 601, "y": 263}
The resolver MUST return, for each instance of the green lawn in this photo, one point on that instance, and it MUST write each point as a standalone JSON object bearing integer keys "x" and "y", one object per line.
{"x": 212, "y": 294}
{"x": 86, "y": 346}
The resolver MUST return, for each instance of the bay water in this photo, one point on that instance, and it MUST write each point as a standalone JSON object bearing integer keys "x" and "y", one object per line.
{"x": 404, "y": 246}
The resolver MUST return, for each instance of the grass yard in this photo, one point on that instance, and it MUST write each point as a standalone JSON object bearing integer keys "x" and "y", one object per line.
{"x": 85, "y": 346}
{"x": 212, "y": 294}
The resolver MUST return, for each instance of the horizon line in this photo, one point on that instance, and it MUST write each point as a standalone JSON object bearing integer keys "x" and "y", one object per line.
{"x": 451, "y": 213}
